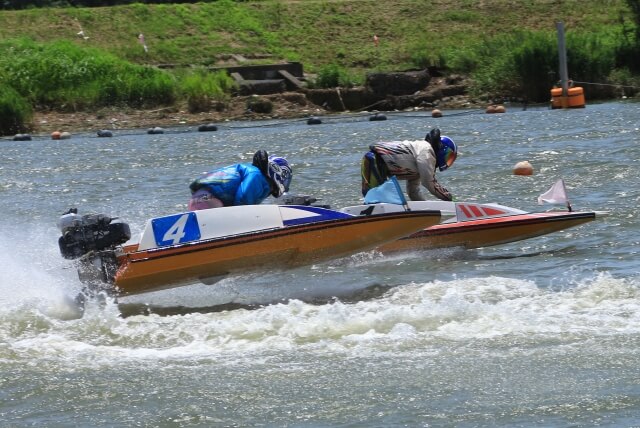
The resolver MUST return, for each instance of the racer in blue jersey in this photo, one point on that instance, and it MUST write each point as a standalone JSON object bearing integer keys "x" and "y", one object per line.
{"x": 242, "y": 184}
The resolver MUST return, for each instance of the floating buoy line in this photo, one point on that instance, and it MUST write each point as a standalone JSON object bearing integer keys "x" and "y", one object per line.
{"x": 211, "y": 127}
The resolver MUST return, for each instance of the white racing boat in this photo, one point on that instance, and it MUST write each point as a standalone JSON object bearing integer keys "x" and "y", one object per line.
{"x": 206, "y": 245}
{"x": 473, "y": 225}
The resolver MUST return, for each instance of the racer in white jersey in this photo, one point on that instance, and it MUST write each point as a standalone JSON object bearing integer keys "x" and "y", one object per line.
{"x": 413, "y": 161}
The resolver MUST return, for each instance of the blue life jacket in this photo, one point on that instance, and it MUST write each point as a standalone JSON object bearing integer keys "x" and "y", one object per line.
{"x": 240, "y": 184}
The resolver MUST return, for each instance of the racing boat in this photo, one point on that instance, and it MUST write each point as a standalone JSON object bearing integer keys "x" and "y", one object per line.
{"x": 206, "y": 245}
{"x": 474, "y": 225}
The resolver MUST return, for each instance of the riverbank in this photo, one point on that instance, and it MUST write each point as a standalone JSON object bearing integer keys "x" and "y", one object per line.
{"x": 368, "y": 37}
{"x": 285, "y": 106}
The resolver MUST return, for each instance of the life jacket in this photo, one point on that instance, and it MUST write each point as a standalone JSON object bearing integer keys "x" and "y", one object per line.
{"x": 240, "y": 184}
{"x": 373, "y": 170}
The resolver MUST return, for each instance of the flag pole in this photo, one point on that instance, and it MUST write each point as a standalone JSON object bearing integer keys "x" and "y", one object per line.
{"x": 565, "y": 192}
{"x": 400, "y": 194}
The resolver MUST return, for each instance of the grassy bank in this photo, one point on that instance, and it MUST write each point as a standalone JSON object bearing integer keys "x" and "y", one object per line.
{"x": 82, "y": 58}
{"x": 313, "y": 32}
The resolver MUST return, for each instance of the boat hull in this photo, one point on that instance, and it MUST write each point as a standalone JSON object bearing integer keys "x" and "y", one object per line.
{"x": 201, "y": 261}
{"x": 489, "y": 232}
{"x": 474, "y": 225}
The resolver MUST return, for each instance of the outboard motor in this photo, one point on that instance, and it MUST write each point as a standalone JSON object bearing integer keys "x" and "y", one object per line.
{"x": 92, "y": 238}
{"x": 90, "y": 232}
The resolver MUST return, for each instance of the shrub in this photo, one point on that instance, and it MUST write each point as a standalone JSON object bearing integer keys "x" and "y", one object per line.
{"x": 65, "y": 76}
{"x": 628, "y": 56}
{"x": 333, "y": 76}
{"x": 15, "y": 111}
{"x": 535, "y": 63}
{"x": 628, "y": 83}
{"x": 202, "y": 88}
{"x": 526, "y": 63}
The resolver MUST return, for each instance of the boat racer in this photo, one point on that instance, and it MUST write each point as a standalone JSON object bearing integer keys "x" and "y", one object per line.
{"x": 413, "y": 161}
{"x": 242, "y": 183}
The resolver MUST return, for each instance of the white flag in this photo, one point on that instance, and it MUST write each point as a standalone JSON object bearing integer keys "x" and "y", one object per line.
{"x": 556, "y": 195}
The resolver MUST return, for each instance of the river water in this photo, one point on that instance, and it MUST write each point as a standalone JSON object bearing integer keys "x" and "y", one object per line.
{"x": 541, "y": 332}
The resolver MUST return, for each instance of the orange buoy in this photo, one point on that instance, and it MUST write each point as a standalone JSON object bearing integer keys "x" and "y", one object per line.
{"x": 574, "y": 98}
{"x": 500, "y": 109}
{"x": 491, "y": 109}
{"x": 55, "y": 135}
{"x": 557, "y": 100}
{"x": 523, "y": 168}
{"x": 436, "y": 113}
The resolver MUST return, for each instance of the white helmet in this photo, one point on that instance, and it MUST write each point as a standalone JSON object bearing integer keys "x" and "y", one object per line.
{"x": 280, "y": 173}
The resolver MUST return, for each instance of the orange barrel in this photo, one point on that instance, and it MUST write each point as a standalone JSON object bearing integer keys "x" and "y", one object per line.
{"x": 576, "y": 97}
{"x": 557, "y": 100}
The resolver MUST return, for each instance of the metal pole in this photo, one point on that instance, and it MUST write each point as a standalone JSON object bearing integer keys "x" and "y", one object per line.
{"x": 562, "y": 56}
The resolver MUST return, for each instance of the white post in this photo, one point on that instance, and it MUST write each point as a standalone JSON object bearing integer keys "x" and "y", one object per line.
{"x": 562, "y": 56}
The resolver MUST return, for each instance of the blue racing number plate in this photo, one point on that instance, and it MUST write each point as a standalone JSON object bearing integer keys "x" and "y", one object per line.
{"x": 175, "y": 229}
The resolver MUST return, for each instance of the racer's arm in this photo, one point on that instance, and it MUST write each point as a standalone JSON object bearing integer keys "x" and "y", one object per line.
{"x": 426, "y": 161}
{"x": 413, "y": 190}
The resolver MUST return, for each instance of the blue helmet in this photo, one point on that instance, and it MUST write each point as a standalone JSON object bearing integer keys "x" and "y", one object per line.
{"x": 280, "y": 173}
{"x": 447, "y": 153}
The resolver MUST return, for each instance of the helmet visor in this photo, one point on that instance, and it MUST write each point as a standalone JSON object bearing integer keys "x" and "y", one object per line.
{"x": 448, "y": 158}
{"x": 447, "y": 153}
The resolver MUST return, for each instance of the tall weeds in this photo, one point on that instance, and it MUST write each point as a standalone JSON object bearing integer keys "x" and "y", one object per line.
{"x": 526, "y": 64}
{"x": 332, "y": 76}
{"x": 15, "y": 111}
{"x": 202, "y": 88}
{"x": 61, "y": 75}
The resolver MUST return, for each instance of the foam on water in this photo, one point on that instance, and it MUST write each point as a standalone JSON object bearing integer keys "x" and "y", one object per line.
{"x": 33, "y": 278}
{"x": 429, "y": 317}
{"x": 40, "y": 321}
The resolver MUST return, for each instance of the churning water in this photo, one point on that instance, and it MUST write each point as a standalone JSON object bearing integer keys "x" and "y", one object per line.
{"x": 540, "y": 332}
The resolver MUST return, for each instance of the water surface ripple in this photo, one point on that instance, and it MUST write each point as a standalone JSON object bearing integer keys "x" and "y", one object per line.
{"x": 543, "y": 332}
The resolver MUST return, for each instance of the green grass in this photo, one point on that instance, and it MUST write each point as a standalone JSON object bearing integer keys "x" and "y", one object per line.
{"x": 315, "y": 32}
{"x": 507, "y": 46}
{"x": 64, "y": 76}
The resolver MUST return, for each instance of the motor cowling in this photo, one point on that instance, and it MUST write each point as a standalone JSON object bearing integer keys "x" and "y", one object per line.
{"x": 288, "y": 199}
{"x": 89, "y": 232}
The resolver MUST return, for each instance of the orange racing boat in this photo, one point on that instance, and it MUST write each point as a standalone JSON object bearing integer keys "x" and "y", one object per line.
{"x": 207, "y": 245}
